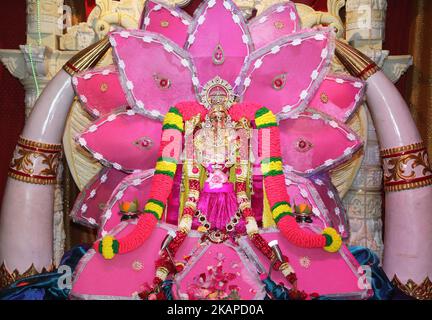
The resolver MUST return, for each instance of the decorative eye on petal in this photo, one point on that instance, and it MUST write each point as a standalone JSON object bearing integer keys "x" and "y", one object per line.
{"x": 162, "y": 82}
{"x": 303, "y": 145}
{"x": 104, "y": 87}
{"x": 164, "y": 24}
{"x": 324, "y": 97}
{"x": 279, "y": 81}
{"x": 218, "y": 56}
{"x": 144, "y": 143}
{"x": 279, "y": 25}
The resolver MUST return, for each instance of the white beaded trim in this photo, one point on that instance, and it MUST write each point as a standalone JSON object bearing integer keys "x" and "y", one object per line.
{"x": 345, "y": 131}
{"x": 250, "y": 66}
{"x": 81, "y": 206}
{"x": 169, "y": 47}
{"x": 179, "y": 14}
{"x": 277, "y": 9}
{"x": 134, "y": 180}
{"x": 199, "y": 19}
{"x": 93, "y": 128}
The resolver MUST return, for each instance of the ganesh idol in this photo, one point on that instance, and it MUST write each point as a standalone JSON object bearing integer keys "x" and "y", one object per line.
{"x": 217, "y": 136}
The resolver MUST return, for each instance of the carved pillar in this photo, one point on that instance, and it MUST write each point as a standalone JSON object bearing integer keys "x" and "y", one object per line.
{"x": 365, "y": 30}
{"x": 363, "y": 201}
{"x": 36, "y": 76}
{"x": 365, "y": 23}
{"x": 44, "y": 22}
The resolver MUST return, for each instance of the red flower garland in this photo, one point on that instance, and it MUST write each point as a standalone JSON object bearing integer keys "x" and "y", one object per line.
{"x": 275, "y": 184}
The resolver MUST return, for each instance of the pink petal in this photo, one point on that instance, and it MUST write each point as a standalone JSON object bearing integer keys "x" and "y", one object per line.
{"x": 333, "y": 204}
{"x": 99, "y": 91}
{"x": 166, "y": 20}
{"x": 155, "y": 73}
{"x": 313, "y": 143}
{"x": 135, "y": 186}
{"x": 285, "y": 75}
{"x": 276, "y": 21}
{"x": 126, "y": 141}
{"x": 339, "y": 96}
{"x": 219, "y": 41}
{"x": 91, "y": 201}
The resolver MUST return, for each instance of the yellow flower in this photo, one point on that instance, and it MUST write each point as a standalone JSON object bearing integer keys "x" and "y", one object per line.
{"x": 336, "y": 240}
{"x": 107, "y": 247}
{"x": 202, "y": 229}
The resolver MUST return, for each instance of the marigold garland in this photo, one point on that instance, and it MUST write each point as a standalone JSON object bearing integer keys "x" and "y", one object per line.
{"x": 161, "y": 187}
{"x": 335, "y": 240}
{"x": 274, "y": 182}
{"x": 108, "y": 247}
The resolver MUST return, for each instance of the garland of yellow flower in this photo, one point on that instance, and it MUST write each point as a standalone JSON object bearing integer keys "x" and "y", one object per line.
{"x": 274, "y": 182}
{"x": 161, "y": 187}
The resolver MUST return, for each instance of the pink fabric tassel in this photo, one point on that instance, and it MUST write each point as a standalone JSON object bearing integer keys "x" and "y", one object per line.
{"x": 218, "y": 207}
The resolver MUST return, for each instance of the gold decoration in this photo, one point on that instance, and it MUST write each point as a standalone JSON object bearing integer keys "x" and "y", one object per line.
{"x": 217, "y": 92}
{"x": 406, "y": 168}
{"x": 7, "y": 277}
{"x": 164, "y": 24}
{"x": 411, "y": 147}
{"x": 409, "y": 186}
{"x": 104, "y": 87}
{"x": 279, "y": 25}
{"x": 87, "y": 58}
{"x": 39, "y": 145}
{"x": 35, "y": 162}
{"x": 420, "y": 292}
{"x": 324, "y": 97}
{"x": 311, "y": 18}
{"x": 279, "y": 81}
{"x": 218, "y": 56}
{"x": 357, "y": 63}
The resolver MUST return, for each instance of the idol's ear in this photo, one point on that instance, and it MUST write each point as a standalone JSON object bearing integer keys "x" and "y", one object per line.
{"x": 407, "y": 175}
{"x": 87, "y": 209}
{"x": 26, "y": 234}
